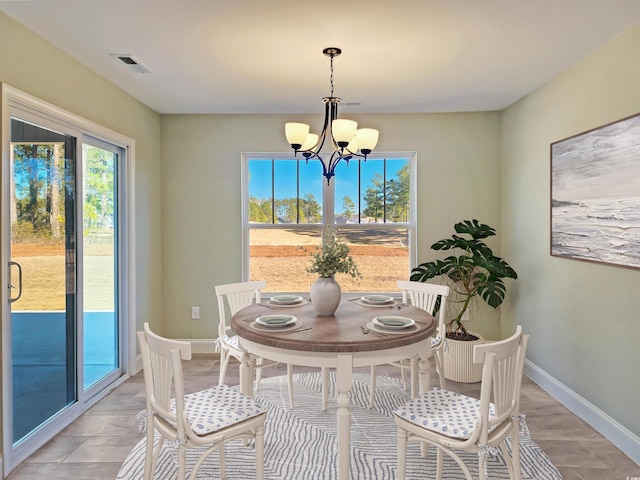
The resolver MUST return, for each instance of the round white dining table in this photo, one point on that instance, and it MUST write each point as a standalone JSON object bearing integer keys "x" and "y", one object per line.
{"x": 337, "y": 341}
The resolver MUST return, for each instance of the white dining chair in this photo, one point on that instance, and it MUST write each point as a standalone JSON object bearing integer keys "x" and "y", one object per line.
{"x": 424, "y": 296}
{"x": 208, "y": 418}
{"x": 451, "y": 421}
{"x": 233, "y": 297}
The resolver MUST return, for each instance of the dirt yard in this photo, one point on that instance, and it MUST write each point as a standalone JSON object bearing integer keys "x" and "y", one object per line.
{"x": 275, "y": 257}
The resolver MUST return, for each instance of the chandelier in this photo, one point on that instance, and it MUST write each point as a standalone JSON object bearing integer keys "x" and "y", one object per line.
{"x": 346, "y": 138}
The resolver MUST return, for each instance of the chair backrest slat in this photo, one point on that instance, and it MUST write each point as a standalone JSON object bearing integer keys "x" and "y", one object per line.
{"x": 502, "y": 373}
{"x": 162, "y": 372}
{"x": 163, "y": 375}
{"x": 238, "y": 296}
{"x": 425, "y": 295}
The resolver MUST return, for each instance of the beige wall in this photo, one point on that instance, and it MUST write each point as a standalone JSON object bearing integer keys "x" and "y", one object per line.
{"x": 33, "y": 65}
{"x": 584, "y": 318}
{"x": 458, "y": 154}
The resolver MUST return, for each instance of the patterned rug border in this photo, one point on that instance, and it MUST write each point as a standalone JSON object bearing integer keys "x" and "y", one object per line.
{"x": 301, "y": 443}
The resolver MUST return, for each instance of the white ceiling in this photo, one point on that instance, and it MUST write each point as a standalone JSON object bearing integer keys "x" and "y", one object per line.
{"x": 265, "y": 56}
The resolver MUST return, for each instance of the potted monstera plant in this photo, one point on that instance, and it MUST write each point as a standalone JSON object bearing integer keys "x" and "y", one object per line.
{"x": 472, "y": 271}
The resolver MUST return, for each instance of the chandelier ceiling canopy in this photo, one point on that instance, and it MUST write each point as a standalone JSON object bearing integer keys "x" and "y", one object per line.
{"x": 347, "y": 139}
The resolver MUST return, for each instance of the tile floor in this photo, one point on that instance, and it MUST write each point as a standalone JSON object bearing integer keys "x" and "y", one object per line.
{"x": 94, "y": 446}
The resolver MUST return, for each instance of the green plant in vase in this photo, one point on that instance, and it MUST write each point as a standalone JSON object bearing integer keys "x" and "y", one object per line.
{"x": 475, "y": 271}
{"x": 332, "y": 258}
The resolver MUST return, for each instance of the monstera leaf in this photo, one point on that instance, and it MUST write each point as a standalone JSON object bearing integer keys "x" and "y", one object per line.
{"x": 474, "y": 272}
{"x": 496, "y": 266}
{"x": 428, "y": 270}
{"x": 493, "y": 292}
{"x": 475, "y": 229}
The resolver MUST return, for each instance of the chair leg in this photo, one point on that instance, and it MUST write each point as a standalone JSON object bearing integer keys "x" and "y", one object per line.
{"x": 515, "y": 450}
{"x": 372, "y": 387}
{"x": 290, "y": 382}
{"x": 259, "y": 452}
{"x": 508, "y": 460}
{"x": 149, "y": 465}
{"x": 182, "y": 462}
{"x": 156, "y": 455}
{"x": 439, "y": 463}
{"x": 223, "y": 465}
{"x": 223, "y": 368}
{"x": 405, "y": 383}
{"x": 440, "y": 369}
{"x": 223, "y": 356}
{"x": 463, "y": 466}
{"x": 203, "y": 458}
{"x": 481, "y": 474}
{"x": 402, "y": 453}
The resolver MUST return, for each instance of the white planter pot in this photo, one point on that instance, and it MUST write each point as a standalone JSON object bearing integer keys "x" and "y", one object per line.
{"x": 458, "y": 361}
{"x": 325, "y": 295}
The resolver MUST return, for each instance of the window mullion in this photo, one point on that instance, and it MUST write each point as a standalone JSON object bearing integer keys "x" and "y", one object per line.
{"x": 328, "y": 202}
{"x": 359, "y": 192}
{"x": 298, "y": 203}
{"x": 384, "y": 190}
{"x": 273, "y": 191}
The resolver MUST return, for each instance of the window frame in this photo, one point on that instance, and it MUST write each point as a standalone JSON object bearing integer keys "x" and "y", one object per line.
{"x": 15, "y": 102}
{"x": 328, "y": 207}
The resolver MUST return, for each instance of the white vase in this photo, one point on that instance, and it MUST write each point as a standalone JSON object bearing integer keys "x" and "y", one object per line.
{"x": 458, "y": 360}
{"x": 325, "y": 295}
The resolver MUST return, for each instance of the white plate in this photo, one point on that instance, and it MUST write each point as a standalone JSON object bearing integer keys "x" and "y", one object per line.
{"x": 376, "y": 299}
{"x": 275, "y": 321}
{"x": 393, "y": 322}
{"x": 286, "y": 299}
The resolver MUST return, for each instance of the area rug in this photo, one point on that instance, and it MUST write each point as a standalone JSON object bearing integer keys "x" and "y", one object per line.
{"x": 302, "y": 444}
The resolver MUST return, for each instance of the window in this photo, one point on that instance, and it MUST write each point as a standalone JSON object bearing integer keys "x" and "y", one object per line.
{"x": 288, "y": 203}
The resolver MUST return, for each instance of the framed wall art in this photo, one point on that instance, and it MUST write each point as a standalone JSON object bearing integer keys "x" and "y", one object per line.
{"x": 595, "y": 194}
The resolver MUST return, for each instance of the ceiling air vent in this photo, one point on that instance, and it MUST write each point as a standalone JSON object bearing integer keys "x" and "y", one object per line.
{"x": 130, "y": 62}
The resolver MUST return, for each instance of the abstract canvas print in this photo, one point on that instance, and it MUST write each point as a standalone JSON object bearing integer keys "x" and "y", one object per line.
{"x": 595, "y": 195}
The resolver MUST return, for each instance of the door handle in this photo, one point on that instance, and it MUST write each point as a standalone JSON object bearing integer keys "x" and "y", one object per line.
{"x": 11, "y": 299}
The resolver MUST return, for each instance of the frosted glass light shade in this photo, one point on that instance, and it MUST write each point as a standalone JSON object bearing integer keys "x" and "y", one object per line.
{"x": 296, "y": 133}
{"x": 353, "y": 146}
{"x": 310, "y": 143}
{"x": 343, "y": 131}
{"x": 367, "y": 139}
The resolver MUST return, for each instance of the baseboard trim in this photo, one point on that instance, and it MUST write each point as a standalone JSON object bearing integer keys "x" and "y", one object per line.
{"x": 609, "y": 428}
{"x": 202, "y": 346}
{"x": 197, "y": 346}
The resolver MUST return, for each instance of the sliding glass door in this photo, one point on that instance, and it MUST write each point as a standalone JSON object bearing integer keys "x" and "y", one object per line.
{"x": 43, "y": 266}
{"x": 100, "y": 263}
{"x": 63, "y": 322}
